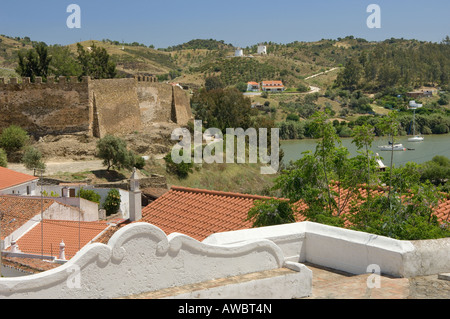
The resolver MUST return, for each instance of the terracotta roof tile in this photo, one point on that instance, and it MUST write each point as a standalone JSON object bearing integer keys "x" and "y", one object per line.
{"x": 30, "y": 265}
{"x": 18, "y": 210}
{"x": 74, "y": 234}
{"x": 9, "y": 178}
{"x": 199, "y": 213}
{"x": 442, "y": 211}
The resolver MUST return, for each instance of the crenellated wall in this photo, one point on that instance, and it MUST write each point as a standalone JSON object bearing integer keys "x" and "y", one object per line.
{"x": 58, "y": 106}
{"x": 94, "y": 107}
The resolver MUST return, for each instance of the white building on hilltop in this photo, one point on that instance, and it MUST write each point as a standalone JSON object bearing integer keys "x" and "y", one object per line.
{"x": 239, "y": 52}
{"x": 262, "y": 49}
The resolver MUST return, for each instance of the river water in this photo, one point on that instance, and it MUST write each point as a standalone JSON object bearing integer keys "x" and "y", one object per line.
{"x": 420, "y": 151}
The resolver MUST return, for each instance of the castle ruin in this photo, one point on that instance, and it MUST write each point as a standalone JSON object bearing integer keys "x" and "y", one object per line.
{"x": 66, "y": 105}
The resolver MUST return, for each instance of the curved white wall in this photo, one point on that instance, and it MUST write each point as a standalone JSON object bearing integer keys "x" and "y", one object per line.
{"x": 141, "y": 258}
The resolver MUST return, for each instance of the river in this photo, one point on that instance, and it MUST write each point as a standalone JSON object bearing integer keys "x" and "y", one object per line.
{"x": 421, "y": 151}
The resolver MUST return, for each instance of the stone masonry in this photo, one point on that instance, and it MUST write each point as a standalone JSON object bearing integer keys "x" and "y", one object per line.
{"x": 94, "y": 107}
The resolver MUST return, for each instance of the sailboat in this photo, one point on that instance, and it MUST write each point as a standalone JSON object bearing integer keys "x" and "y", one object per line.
{"x": 415, "y": 138}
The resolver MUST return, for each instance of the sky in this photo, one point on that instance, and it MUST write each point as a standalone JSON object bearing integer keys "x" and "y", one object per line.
{"x": 241, "y": 23}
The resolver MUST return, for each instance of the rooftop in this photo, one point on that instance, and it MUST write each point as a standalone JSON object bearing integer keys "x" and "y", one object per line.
{"x": 18, "y": 210}
{"x": 199, "y": 213}
{"x": 10, "y": 178}
{"x": 75, "y": 236}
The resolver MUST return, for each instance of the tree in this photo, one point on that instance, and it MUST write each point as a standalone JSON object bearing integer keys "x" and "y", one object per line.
{"x": 96, "y": 63}
{"x": 271, "y": 212}
{"x": 35, "y": 62}
{"x": 213, "y": 83}
{"x": 223, "y": 108}
{"x": 113, "y": 151}
{"x": 112, "y": 202}
{"x": 32, "y": 159}
{"x": 3, "y": 158}
{"x": 13, "y": 138}
{"x": 63, "y": 62}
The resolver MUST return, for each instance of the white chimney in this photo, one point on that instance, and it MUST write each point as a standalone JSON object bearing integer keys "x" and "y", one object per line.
{"x": 62, "y": 251}
{"x": 14, "y": 247}
{"x": 135, "y": 197}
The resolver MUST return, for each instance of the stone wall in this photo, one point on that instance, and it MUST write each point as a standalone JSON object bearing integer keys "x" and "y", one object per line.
{"x": 94, "y": 107}
{"x": 115, "y": 107}
{"x": 55, "y": 107}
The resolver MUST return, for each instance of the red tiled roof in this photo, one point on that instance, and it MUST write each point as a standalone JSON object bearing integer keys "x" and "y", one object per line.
{"x": 199, "y": 213}
{"x": 272, "y": 83}
{"x": 18, "y": 210}
{"x": 10, "y": 178}
{"x": 442, "y": 211}
{"x": 252, "y": 83}
{"x": 56, "y": 231}
{"x": 29, "y": 265}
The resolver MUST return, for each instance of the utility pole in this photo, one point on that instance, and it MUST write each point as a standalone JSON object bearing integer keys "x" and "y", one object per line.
{"x": 1, "y": 242}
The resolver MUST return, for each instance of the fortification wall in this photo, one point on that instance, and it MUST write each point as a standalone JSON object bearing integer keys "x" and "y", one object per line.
{"x": 155, "y": 102}
{"x": 59, "y": 106}
{"x": 115, "y": 107}
{"x": 181, "y": 106}
{"x": 95, "y": 107}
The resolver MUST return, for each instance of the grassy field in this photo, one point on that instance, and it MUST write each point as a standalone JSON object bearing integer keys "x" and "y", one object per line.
{"x": 240, "y": 178}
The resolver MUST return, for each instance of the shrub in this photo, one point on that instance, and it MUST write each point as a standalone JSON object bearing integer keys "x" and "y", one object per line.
{"x": 13, "y": 139}
{"x": 89, "y": 195}
{"x": 3, "y": 158}
{"x": 32, "y": 158}
{"x": 181, "y": 170}
{"x": 271, "y": 212}
{"x": 112, "y": 202}
{"x": 293, "y": 117}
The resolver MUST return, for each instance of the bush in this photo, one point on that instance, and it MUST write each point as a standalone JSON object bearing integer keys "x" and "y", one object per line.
{"x": 302, "y": 88}
{"x": 13, "y": 139}
{"x": 181, "y": 170}
{"x": 32, "y": 158}
{"x": 3, "y": 158}
{"x": 89, "y": 195}
{"x": 293, "y": 117}
{"x": 271, "y": 212}
{"x": 112, "y": 202}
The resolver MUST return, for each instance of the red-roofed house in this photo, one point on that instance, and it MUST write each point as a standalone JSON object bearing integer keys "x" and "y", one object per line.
{"x": 199, "y": 213}
{"x": 75, "y": 235}
{"x": 253, "y": 87}
{"x": 272, "y": 86}
{"x": 15, "y": 183}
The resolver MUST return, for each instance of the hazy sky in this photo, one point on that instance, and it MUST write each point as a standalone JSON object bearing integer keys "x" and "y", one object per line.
{"x": 242, "y": 23}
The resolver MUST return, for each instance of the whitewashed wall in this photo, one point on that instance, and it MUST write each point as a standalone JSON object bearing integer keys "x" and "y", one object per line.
{"x": 348, "y": 250}
{"x": 141, "y": 258}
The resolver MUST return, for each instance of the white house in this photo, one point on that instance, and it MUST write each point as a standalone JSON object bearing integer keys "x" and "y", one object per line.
{"x": 15, "y": 183}
{"x": 239, "y": 52}
{"x": 253, "y": 87}
{"x": 272, "y": 86}
{"x": 262, "y": 49}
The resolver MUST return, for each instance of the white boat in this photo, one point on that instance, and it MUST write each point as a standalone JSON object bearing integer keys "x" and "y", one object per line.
{"x": 416, "y": 138}
{"x": 395, "y": 147}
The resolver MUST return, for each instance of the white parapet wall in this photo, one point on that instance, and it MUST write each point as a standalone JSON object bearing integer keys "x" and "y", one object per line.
{"x": 346, "y": 250}
{"x": 140, "y": 258}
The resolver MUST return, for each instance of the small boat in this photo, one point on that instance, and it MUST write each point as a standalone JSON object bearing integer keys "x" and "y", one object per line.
{"x": 395, "y": 147}
{"x": 415, "y": 138}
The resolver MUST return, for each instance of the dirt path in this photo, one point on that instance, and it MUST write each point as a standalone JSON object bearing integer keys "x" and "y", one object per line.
{"x": 63, "y": 166}
{"x": 321, "y": 73}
